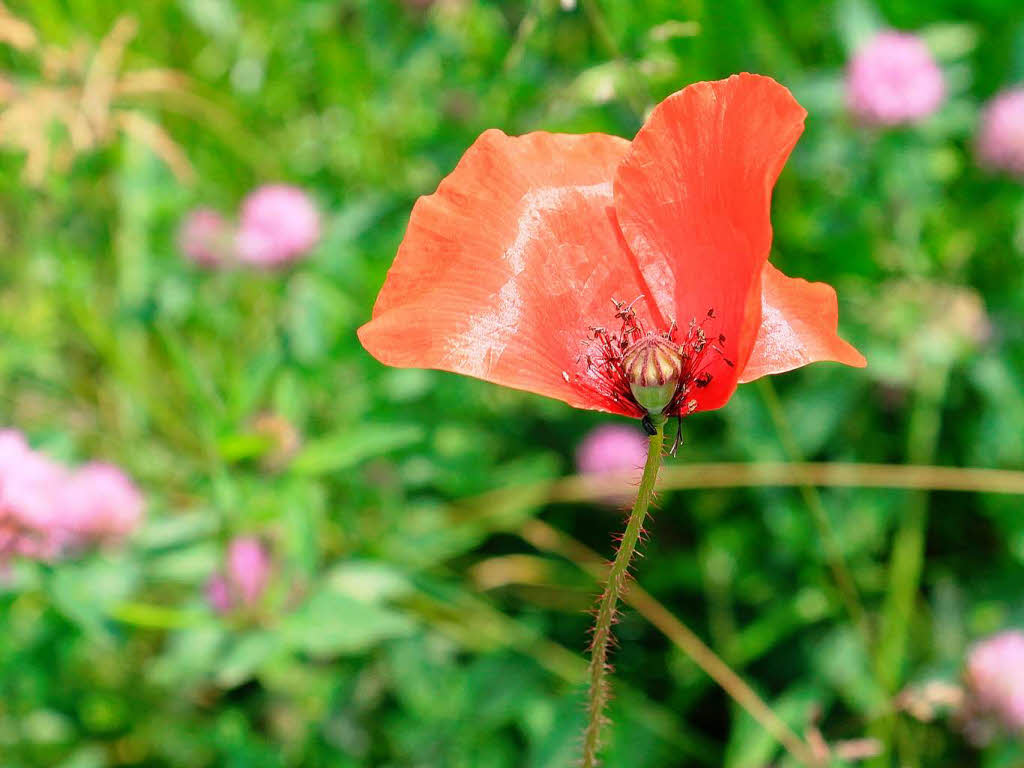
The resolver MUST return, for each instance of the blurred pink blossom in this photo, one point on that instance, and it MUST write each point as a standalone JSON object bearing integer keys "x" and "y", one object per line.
{"x": 245, "y": 577}
{"x": 995, "y": 679}
{"x": 218, "y": 594}
{"x": 1001, "y": 137}
{"x": 894, "y": 79}
{"x": 205, "y": 237}
{"x": 611, "y": 448}
{"x": 30, "y": 520}
{"x": 278, "y": 224}
{"x": 101, "y": 503}
{"x": 48, "y": 510}
{"x": 248, "y": 567}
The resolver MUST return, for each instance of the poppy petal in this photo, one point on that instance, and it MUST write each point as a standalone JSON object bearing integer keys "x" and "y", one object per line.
{"x": 693, "y": 200}
{"x": 799, "y": 322}
{"x": 503, "y": 270}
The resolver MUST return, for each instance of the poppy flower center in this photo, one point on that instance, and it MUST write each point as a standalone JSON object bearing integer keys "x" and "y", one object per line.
{"x": 650, "y": 372}
{"x": 653, "y": 366}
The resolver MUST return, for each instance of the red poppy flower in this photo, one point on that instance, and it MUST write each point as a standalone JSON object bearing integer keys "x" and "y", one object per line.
{"x": 526, "y": 266}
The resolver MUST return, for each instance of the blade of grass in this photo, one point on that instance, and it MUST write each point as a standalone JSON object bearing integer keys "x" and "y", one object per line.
{"x": 812, "y": 498}
{"x": 636, "y": 97}
{"x": 906, "y": 564}
{"x": 579, "y": 488}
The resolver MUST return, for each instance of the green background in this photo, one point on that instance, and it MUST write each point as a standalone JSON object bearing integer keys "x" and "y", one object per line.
{"x": 409, "y": 623}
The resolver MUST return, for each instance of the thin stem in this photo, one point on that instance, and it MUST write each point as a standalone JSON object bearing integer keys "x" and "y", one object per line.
{"x": 778, "y": 474}
{"x": 546, "y": 538}
{"x": 907, "y": 558}
{"x": 635, "y": 98}
{"x": 596, "y": 19}
{"x": 526, "y": 29}
{"x": 477, "y": 625}
{"x": 812, "y": 498}
{"x": 906, "y": 564}
{"x": 617, "y": 576}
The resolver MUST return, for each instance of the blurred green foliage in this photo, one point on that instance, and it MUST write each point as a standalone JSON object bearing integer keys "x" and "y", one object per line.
{"x": 377, "y": 645}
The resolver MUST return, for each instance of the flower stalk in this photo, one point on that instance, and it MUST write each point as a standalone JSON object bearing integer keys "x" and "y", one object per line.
{"x": 617, "y": 577}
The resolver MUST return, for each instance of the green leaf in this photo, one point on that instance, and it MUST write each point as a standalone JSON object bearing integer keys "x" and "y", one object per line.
{"x": 950, "y": 40}
{"x": 86, "y": 591}
{"x": 241, "y": 446}
{"x": 347, "y": 449}
{"x": 857, "y": 21}
{"x": 332, "y": 624}
{"x": 149, "y": 616}
{"x": 751, "y": 746}
{"x": 554, "y": 732}
{"x": 191, "y": 656}
{"x": 368, "y": 581}
{"x": 167, "y": 532}
{"x": 245, "y": 656}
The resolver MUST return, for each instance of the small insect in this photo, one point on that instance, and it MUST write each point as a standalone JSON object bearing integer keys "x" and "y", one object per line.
{"x": 650, "y": 429}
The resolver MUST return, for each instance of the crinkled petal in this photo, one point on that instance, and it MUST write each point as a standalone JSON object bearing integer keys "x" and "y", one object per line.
{"x": 504, "y": 269}
{"x": 693, "y": 200}
{"x": 799, "y": 325}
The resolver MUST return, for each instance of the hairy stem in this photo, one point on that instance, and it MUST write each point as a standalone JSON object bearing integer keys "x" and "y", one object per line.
{"x": 548, "y": 539}
{"x": 617, "y": 577}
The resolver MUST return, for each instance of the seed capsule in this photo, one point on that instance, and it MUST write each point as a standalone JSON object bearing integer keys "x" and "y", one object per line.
{"x": 653, "y": 366}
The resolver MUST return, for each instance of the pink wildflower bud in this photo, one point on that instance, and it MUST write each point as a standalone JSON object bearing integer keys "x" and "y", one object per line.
{"x": 47, "y": 510}
{"x": 611, "y": 448}
{"x": 248, "y": 568}
{"x": 278, "y": 224}
{"x": 995, "y": 679}
{"x": 894, "y": 79}
{"x": 30, "y": 519}
{"x": 205, "y": 237}
{"x": 218, "y": 594}
{"x": 284, "y": 439}
{"x": 101, "y": 504}
{"x": 1000, "y": 141}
